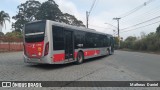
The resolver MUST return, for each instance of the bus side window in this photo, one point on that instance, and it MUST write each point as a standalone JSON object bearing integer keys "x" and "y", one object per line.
{"x": 96, "y": 40}
{"x": 107, "y": 41}
{"x": 79, "y": 38}
{"x": 58, "y": 38}
{"x": 89, "y": 40}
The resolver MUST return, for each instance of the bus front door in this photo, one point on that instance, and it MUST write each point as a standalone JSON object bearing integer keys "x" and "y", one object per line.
{"x": 69, "y": 49}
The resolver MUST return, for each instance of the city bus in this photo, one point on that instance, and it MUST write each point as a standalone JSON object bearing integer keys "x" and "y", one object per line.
{"x": 50, "y": 42}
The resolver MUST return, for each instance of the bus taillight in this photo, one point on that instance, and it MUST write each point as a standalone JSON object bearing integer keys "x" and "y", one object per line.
{"x": 46, "y": 49}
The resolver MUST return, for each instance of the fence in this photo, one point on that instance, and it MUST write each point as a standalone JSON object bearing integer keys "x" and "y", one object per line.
{"x": 10, "y": 44}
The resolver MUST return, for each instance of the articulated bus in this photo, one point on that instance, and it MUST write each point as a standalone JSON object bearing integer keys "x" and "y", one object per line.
{"x": 49, "y": 42}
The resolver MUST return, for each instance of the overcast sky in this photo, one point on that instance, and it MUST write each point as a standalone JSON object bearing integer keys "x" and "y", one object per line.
{"x": 103, "y": 12}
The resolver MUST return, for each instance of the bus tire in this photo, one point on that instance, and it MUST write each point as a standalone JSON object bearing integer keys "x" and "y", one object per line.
{"x": 80, "y": 58}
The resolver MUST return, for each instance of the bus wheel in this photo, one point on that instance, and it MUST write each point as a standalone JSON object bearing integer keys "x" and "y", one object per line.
{"x": 80, "y": 58}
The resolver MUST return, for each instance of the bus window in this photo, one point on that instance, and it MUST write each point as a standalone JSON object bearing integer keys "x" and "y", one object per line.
{"x": 34, "y": 32}
{"x": 79, "y": 39}
{"x": 89, "y": 40}
{"x": 58, "y": 38}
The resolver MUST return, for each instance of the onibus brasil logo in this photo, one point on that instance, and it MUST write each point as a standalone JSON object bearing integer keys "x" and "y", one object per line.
{"x": 20, "y": 84}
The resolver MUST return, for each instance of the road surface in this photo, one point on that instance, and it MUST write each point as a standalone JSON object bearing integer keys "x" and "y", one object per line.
{"x": 147, "y": 65}
{"x": 122, "y": 66}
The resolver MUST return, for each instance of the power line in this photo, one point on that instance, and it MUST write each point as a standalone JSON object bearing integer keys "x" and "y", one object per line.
{"x": 141, "y": 23}
{"x": 127, "y": 14}
{"x": 92, "y": 6}
{"x": 152, "y": 12}
{"x": 141, "y": 27}
{"x": 100, "y": 27}
{"x": 110, "y": 25}
{"x": 136, "y": 9}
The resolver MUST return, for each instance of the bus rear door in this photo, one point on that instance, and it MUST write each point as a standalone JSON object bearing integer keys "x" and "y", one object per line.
{"x": 69, "y": 47}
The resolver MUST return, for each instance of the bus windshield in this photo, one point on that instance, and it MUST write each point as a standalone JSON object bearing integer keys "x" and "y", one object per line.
{"x": 34, "y": 32}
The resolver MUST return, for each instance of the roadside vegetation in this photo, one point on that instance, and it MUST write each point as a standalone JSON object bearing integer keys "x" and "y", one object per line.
{"x": 150, "y": 42}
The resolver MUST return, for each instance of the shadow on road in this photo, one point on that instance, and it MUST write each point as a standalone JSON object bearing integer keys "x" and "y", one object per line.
{"x": 94, "y": 59}
{"x": 59, "y": 66}
{"x": 50, "y": 66}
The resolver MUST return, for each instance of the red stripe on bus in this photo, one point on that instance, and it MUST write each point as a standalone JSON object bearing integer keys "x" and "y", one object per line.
{"x": 58, "y": 57}
{"x": 61, "y": 57}
{"x": 98, "y": 51}
{"x": 88, "y": 53}
{"x": 91, "y": 52}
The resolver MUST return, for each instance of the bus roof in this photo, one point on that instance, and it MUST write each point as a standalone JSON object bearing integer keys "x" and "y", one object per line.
{"x": 73, "y": 27}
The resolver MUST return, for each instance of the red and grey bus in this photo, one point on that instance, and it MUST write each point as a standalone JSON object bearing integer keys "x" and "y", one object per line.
{"x": 49, "y": 42}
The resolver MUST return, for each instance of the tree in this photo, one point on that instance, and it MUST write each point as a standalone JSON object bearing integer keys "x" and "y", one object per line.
{"x": 27, "y": 12}
{"x": 49, "y": 10}
{"x": 158, "y": 30}
{"x": 14, "y": 34}
{"x": 71, "y": 20}
{"x": 130, "y": 38}
{"x": 3, "y": 18}
{"x": 129, "y": 42}
{"x": 1, "y": 34}
{"x": 143, "y": 35}
{"x": 33, "y": 10}
{"x": 116, "y": 40}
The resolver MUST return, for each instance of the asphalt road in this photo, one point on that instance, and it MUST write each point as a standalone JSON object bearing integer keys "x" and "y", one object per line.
{"x": 12, "y": 67}
{"x": 122, "y": 66}
{"x": 147, "y": 65}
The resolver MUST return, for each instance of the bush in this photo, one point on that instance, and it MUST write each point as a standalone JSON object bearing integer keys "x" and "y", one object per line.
{"x": 151, "y": 42}
{"x": 12, "y": 37}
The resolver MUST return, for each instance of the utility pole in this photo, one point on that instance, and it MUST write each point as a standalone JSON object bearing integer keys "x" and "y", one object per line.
{"x": 87, "y": 17}
{"x": 118, "y": 31}
{"x": 89, "y": 12}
